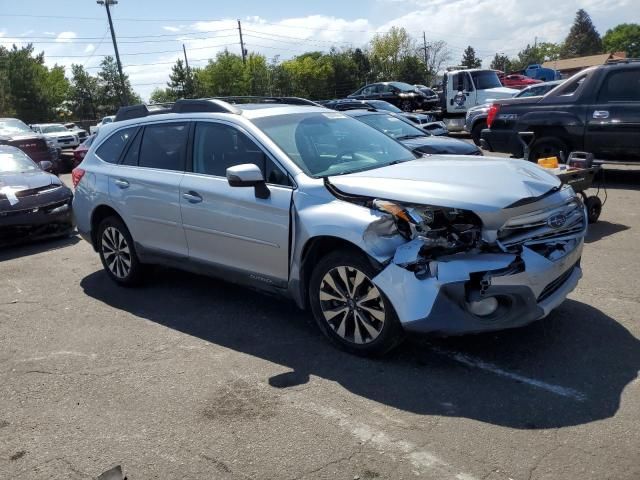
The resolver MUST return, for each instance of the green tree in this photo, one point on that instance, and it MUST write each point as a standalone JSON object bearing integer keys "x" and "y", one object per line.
{"x": 83, "y": 93}
{"x": 539, "y": 53}
{"x": 25, "y": 78}
{"x": 501, "y": 62}
{"x": 162, "y": 95}
{"x": 469, "y": 59}
{"x": 311, "y": 75}
{"x": 223, "y": 76}
{"x": 180, "y": 81}
{"x": 412, "y": 70}
{"x": 111, "y": 96}
{"x": 387, "y": 51}
{"x": 623, "y": 38}
{"x": 345, "y": 73}
{"x": 56, "y": 89}
{"x": 437, "y": 55}
{"x": 256, "y": 74}
{"x": 583, "y": 38}
{"x": 362, "y": 66}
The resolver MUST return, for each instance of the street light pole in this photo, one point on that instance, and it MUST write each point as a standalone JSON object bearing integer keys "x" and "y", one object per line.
{"x": 123, "y": 94}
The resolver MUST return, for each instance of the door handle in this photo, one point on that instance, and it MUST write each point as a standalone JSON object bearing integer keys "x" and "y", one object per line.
{"x": 600, "y": 114}
{"x": 192, "y": 197}
{"x": 121, "y": 183}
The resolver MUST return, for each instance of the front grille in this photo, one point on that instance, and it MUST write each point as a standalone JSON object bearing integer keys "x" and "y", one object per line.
{"x": 556, "y": 284}
{"x": 65, "y": 139}
{"x": 536, "y": 227}
{"x": 36, "y": 191}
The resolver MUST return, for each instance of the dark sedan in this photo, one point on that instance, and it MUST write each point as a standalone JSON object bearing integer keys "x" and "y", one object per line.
{"x": 425, "y": 121}
{"x": 34, "y": 204}
{"x": 412, "y": 137}
{"x": 402, "y": 95}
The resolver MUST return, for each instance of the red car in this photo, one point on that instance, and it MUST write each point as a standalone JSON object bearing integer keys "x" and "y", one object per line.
{"x": 81, "y": 150}
{"x": 516, "y": 80}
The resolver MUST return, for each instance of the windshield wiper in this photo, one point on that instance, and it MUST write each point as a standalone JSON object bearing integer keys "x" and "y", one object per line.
{"x": 407, "y": 137}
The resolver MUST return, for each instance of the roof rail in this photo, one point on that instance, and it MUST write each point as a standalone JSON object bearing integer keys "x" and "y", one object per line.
{"x": 179, "y": 106}
{"x": 268, "y": 99}
{"x": 622, "y": 60}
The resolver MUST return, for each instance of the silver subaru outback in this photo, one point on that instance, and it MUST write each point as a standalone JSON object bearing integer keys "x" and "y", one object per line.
{"x": 319, "y": 207}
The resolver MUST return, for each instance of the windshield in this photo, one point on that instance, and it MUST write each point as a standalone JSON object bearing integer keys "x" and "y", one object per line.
{"x": 404, "y": 87}
{"x": 392, "y": 126}
{"x": 485, "y": 79}
{"x": 16, "y": 162}
{"x": 382, "y": 105}
{"x": 331, "y": 143}
{"x": 54, "y": 129}
{"x": 10, "y": 126}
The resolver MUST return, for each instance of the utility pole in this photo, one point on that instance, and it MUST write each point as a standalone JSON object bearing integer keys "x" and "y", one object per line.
{"x": 244, "y": 52}
{"x": 188, "y": 83}
{"x": 123, "y": 95}
{"x": 426, "y": 57}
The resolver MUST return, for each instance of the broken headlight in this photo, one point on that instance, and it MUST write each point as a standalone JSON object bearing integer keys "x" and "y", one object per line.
{"x": 440, "y": 229}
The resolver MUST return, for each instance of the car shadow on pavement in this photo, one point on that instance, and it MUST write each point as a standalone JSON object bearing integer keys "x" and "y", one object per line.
{"x": 38, "y": 246}
{"x": 576, "y": 349}
{"x": 602, "y": 229}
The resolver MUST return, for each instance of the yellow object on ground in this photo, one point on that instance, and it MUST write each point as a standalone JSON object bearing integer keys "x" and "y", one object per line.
{"x": 549, "y": 162}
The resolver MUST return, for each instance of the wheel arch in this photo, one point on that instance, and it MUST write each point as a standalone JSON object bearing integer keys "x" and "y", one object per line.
{"x": 98, "y": 215}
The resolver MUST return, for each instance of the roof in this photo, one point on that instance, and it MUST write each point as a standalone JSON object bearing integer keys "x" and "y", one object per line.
{"x": 581, "y": 62}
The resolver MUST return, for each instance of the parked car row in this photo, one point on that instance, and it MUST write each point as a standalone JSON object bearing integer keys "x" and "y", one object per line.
{"x": 338, "y": 210}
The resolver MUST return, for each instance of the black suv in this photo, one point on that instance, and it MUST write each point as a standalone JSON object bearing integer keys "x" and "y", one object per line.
{"x": 596, "y": 111}
{"x": 404, "y": 96}
{"x": 17, "y": 134}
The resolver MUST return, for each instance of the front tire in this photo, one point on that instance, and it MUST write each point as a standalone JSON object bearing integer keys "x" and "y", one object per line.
{"x": 348, "y": 307}
{"x": 549, "y": 147}
{"x": 476, "y": 132}
{"x": 117, "y": 252}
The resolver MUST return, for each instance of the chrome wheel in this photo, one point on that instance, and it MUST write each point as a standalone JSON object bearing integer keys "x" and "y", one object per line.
{"x": 116, "y": 252}
{"x": 352, "y": 305}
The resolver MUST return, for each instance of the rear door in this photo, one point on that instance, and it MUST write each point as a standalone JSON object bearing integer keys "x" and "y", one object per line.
{"x": 229, "y": 226}
{"x": 145, "y": 187}
{"x": 613, "y": 121}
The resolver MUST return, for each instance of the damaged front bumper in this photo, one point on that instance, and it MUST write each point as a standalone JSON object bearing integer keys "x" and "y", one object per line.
{"x": 526, "y": 286}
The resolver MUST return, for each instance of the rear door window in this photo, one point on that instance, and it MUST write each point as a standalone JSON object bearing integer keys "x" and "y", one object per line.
{"x": 112, "y": 147}
{"x": 621, "y": 86}
{"x": 164, "y": 146}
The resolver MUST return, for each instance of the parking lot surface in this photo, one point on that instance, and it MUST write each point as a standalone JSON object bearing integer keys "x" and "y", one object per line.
{"x": 191, "y": 377}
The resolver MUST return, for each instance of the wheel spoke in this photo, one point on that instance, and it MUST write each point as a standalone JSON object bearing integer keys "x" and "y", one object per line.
{"x": 377, "y": 314}
{"x": 342, "y": 326}
{"x": 326, "y": 296}
{"x": 331, "y": 313}
{"x": 342, "y": 272}
{"x": 328, "y": 279}
{"x": 371, "y": 294}
{"x": 373, "y": 333}
{"x": 357, "y": 335}
{"x": 357, "y": 282}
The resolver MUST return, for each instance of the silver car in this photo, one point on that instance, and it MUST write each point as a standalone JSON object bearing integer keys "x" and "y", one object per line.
{"x": 321, "y": 208}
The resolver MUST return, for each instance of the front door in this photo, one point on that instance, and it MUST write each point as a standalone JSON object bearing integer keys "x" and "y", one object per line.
{"x": 229, "y": 226}
{"x": 613, "y": 121}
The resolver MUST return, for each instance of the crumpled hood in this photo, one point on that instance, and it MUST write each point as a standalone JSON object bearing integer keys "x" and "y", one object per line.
{"x": 472, "y": 183}
{"x": 27, "y": 181}
{"x": 442, "y": 145}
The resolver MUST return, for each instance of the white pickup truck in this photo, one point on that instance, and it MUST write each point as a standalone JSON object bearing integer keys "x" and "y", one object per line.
{"x": 466, "y": 88}
{"x": 94, "y": 128}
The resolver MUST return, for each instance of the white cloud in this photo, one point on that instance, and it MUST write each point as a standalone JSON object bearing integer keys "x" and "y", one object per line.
{"x": 65, "y": 37}
{"x": 89, "y": 48}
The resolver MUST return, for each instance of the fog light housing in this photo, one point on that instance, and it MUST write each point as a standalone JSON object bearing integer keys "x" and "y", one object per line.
{"x": 484, "y": 307}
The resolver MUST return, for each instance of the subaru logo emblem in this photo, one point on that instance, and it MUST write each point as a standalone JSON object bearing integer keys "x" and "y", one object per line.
{"x": 557, "y": 220}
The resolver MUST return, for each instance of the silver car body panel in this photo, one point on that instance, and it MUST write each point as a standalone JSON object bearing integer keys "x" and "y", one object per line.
{"x": 531, "y": 262}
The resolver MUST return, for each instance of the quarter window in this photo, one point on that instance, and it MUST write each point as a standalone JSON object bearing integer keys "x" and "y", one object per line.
{"x": 218, "y": 147}
{"x": 163, "y": 146}
{"x": 112, "y": 147}
{"x": 621, "y": 86}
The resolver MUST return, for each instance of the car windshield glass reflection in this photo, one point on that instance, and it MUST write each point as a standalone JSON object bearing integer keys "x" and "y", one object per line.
{"x": 10, "y": 126}
{"x": 331, "y": 143}
{"x": 392, "y": 126}
{"x": 16, "y": 163}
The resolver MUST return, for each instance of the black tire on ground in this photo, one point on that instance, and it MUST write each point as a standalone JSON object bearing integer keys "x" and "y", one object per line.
{"x": 406, "y": 106}
{"x": 118, "y": 254}
{"x": 368, "y": 324}
{"x": 548, "y": 147}
{"x": 477, "y": 130}
{"x": 594, "y": 208}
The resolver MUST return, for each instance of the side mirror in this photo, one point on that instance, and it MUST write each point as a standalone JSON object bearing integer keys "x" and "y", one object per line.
{"x": 248, "y": 175}
{"x": 46, "y": 165}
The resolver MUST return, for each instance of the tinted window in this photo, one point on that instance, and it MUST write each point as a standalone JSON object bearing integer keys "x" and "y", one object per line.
{"x": 112, "y": 148}
{"x": 133, "y": 153}
{"x": 164, "y": 145}
{"x": 621, "y": 86}
{"x": 218, "y": 146}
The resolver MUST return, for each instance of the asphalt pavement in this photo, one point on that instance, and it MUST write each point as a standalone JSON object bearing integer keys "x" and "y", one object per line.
{"x": 190, "y": 377}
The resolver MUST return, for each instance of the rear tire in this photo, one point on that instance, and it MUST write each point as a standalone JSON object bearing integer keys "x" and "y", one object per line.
{"x": 549, "y": 147}
{"x": 476, "y": 132}
{"x": 406, "y": 106}
{"x": 118, "y": 254}
{"x": 349, "y": 309}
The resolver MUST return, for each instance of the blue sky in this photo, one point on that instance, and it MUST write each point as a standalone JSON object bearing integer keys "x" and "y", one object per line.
{"x": 151, "y": 33}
